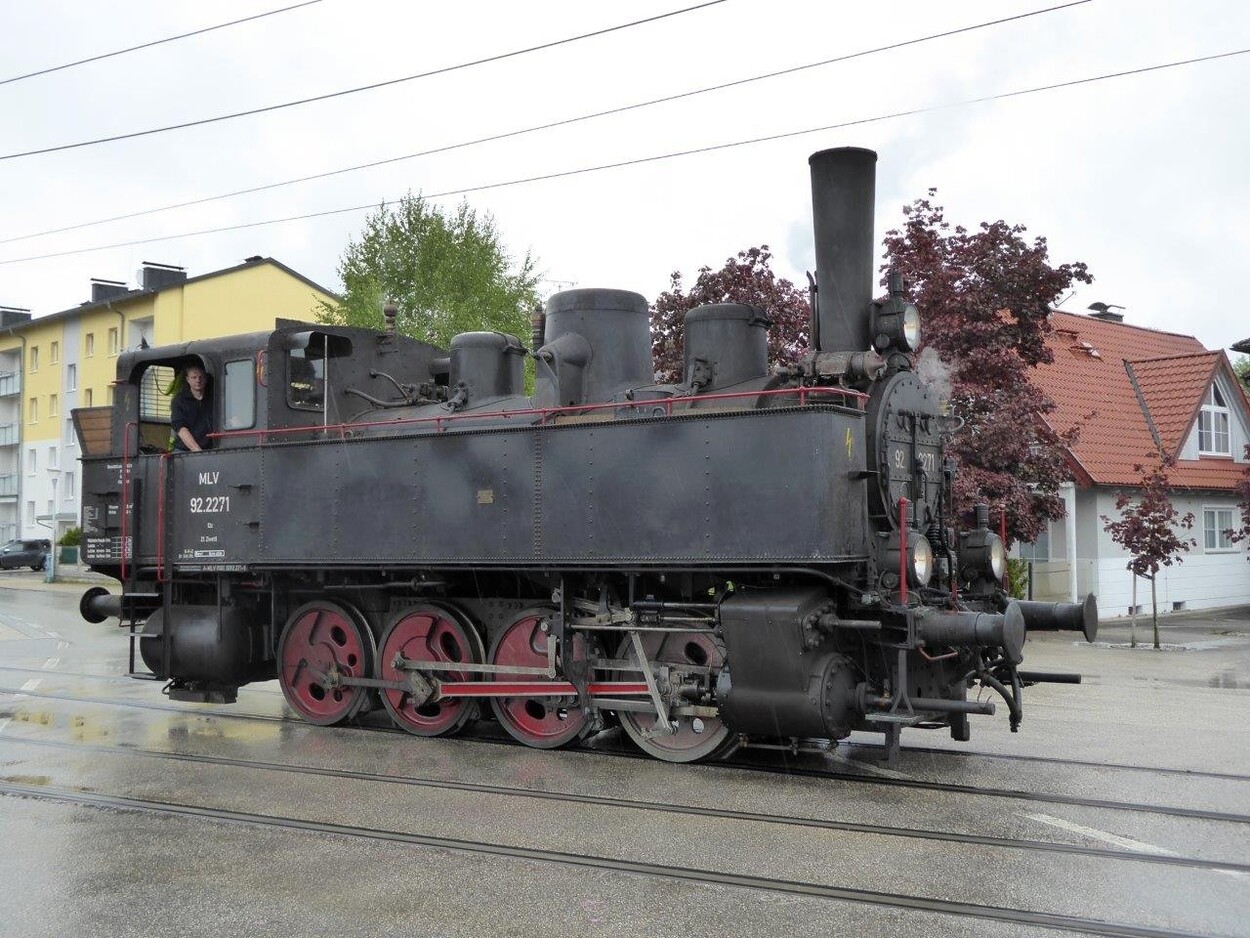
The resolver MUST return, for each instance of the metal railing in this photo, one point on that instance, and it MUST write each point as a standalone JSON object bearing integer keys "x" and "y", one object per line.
{"x": 8, "y": 485}
{"x": 10, "y": 383}
{"x": 9, "y": 434}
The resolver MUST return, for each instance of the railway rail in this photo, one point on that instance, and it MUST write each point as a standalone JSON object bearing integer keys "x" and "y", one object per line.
{"x": 230, "y": 714}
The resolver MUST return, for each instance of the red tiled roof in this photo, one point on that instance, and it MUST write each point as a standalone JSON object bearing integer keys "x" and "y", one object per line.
{"x": 1173, "y": 388}
{"x": 1092, "y": 389}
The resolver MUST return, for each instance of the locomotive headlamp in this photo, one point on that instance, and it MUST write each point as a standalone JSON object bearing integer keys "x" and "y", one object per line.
{"x": 919, "y": 562}
{"x": 896, "y": 323}
{"x": 920, "y": 557}
{"x": 982, "y": 555}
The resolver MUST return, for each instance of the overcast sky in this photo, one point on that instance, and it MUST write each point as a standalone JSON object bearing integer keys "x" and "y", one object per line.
{"x": 1142, "y": 177}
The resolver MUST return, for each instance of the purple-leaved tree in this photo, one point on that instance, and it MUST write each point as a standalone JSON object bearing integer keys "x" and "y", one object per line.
{"x": 985, "y": 297}
{"x": 1147, "y": 527}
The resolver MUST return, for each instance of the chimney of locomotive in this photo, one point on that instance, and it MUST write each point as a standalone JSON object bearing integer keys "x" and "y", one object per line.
{"x": 844, "y": 183}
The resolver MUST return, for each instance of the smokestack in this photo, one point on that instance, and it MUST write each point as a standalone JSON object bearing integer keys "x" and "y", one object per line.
{"x": 844, "y": 183}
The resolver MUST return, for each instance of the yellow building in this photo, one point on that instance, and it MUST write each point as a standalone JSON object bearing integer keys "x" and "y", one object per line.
{"x": 51, "y": 364}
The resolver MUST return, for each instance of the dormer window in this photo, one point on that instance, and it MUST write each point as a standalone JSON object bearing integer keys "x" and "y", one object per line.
{"x": 1214, "y": 438}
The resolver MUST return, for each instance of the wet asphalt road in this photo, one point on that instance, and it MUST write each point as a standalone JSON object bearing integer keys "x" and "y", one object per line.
{"x": 1165, "y": 731}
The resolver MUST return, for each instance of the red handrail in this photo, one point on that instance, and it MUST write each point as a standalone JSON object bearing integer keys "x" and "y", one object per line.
{"x": 121, "y": 547}
{"x": 544, "y": 413}
{"x": 902, "y": 551}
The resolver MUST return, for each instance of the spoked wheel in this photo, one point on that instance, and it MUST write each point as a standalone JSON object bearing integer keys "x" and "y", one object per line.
{"x": 429, "y": 633}
{"x": 323, "y": 641}
{"x": 542, "y": 722}
{"x": 696, "y": 737}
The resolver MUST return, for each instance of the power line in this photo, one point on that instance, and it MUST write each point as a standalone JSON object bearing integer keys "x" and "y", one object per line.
{"x": 373, "y": 87}
{"x": 155, "y": 42}
{"x": 550, "y": 125}
{"x": 711, "y": 148}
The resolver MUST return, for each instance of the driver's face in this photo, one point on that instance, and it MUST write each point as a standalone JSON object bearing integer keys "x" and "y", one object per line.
{"x": 195, "y": 380}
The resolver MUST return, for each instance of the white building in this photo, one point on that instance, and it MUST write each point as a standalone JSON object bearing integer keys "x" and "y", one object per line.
{"x": 1135, "y": 392}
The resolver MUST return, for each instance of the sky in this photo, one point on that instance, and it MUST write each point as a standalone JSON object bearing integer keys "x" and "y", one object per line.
{"x": 1142, "y": 177}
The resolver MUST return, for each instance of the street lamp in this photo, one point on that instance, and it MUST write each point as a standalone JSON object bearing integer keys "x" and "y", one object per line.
{"x": 50, "y": 566}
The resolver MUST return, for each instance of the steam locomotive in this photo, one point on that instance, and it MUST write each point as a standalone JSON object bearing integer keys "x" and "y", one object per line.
{"x": 751, "y": 556}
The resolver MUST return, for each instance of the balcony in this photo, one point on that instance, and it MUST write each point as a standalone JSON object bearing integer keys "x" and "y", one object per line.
{"x": 9, "y": 435}
{"x": 10, "y": 383}
{"x": 8, "y": 485}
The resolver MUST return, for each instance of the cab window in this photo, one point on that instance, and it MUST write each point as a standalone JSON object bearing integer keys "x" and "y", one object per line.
{"x": 239, "y": 395}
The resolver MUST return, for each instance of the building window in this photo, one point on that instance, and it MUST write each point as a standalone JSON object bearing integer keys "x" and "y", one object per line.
{"x": 34, "y": 358}
{"x": 88, "y": 396}
{"x": 1038, "y": 551}
{"x": 113, "y": 341}
{"x": 30, "y": 510}
{"x": 69, "y": 493}
{"x": 52, "y": 458}
{"x": 32, "y": 462}
{"x": 89, "y": 345}
{"x": 32, "y": 412}
{"x": 71, "y": 438}
{"x": 110, "y": 395}
{"x": 71, "y": 377}
{"x": 1213, "y": 435}
{"x": 1217, "y": 524}
{"x": 53, "y": 404}
{"x": 54, "y": 352}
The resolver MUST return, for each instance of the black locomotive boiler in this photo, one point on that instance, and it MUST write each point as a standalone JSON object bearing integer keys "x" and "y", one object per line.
{"x": 750, "y": 556}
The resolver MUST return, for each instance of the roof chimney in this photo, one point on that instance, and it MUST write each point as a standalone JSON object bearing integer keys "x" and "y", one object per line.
{"x": 158, "y": 276}
{"x": 102, "y": 290}
{"x": 1103, "y": 311}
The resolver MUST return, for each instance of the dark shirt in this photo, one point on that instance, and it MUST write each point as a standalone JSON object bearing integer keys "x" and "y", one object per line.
{"x": 196, "y": 416}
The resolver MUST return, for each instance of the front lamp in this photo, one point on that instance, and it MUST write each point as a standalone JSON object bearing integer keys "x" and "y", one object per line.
{"x": 918, "y": 565}
{"x": 896, "y": 326}
{"x": 982, "y": 555}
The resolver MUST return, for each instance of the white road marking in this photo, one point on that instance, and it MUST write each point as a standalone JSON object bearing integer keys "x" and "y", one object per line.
{"x": 869, "y": 767}
{"x": 52, "y": 634}
{"x": 3, "y": 724}
{"x": 1093, "y": 833}
{"x": 32, "y": 683}
{"x": 61, "y": 646}
{"x": 51, "y": 664}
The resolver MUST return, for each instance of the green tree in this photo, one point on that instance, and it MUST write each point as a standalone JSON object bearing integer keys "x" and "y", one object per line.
{"x": 1241, "y": 365}
{"x": 447, "y": 273}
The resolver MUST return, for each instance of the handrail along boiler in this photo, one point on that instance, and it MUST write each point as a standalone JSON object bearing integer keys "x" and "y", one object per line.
{"x": 747, "y": 556}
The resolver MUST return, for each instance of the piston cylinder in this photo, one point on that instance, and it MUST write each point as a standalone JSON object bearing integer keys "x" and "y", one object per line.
{"x": 221, "y": 646}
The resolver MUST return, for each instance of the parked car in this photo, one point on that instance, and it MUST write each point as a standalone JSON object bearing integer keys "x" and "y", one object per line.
{"x": 33, "y": 554}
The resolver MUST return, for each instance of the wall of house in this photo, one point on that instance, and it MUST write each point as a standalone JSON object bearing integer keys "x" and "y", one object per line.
{"x": 247, "y": 300}
{"x": 1239, "y": 432}
{"x": 1205, "y": 579}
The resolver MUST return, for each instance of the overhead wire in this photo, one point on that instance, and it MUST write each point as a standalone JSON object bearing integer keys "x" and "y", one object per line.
{"x": 550, "y": 124}
{"x": 711, "y": 148}
{"x": 155, "y": 42}
{"x": 96, "y": 141}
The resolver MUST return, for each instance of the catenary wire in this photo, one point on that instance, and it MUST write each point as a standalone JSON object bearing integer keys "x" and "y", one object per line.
{"x": 155, "y": 42}
{"x": 371, "y": 87}
{"x": 546, "y": 126}
{"x": 711, "y": 148}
